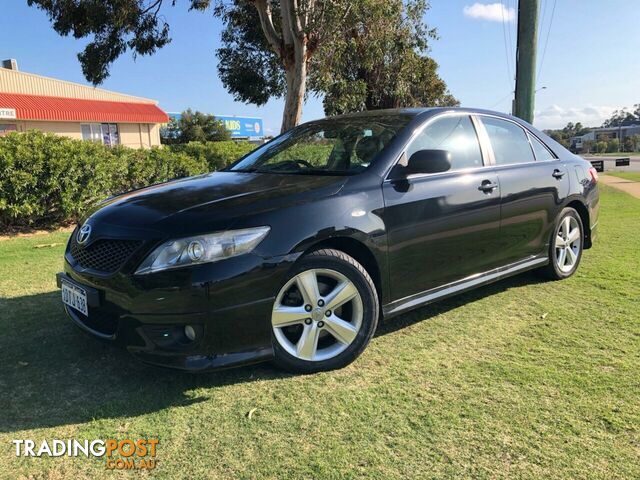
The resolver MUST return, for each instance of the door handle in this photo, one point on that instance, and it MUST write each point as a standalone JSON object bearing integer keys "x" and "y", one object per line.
{"x": 487, "y": 186}
{"x": 557, "y": 174}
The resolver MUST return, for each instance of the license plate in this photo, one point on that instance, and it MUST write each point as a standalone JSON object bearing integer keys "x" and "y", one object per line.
{"x": 75, "y": 297}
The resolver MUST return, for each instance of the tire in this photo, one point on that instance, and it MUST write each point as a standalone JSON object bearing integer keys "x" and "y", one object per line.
{"x": 336, "y": 329}
{"x": 563, "y": 265}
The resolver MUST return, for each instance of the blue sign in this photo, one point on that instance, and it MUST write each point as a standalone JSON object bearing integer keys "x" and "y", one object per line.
{"x": 242, "y": 126}
{"x": 237, "y": 126}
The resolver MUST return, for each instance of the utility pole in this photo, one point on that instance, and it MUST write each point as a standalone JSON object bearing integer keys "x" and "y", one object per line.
{"x": 526, "y": 59}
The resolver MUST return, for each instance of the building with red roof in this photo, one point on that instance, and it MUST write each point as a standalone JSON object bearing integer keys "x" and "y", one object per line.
{"x": 29, "y": 101}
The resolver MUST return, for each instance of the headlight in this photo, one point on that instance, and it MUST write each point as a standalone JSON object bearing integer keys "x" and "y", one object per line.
{"x": 202, "y": 249}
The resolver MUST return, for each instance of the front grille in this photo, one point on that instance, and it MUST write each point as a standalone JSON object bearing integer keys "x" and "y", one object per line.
{"x": 106, "y": 256}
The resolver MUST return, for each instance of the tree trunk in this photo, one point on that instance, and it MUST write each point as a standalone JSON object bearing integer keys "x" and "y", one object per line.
{"x": 296, "y": 75}
{"x": 291, "y": 46}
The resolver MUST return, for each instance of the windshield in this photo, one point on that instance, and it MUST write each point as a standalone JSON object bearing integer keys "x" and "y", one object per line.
{"x": 339, "y": 146}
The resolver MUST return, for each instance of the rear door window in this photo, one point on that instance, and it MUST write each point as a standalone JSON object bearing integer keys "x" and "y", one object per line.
{"x": 509, "y": 141}
{"x": 542, "y": 152}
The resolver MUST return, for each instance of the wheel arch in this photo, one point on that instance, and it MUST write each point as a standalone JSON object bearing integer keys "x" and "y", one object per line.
{"x": 583, "y": 211}
{"x": 360, "y": 252}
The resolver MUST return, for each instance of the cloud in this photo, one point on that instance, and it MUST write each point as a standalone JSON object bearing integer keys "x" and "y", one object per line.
{"x": 493, "y": 12}
{"x": 555, "y": 116}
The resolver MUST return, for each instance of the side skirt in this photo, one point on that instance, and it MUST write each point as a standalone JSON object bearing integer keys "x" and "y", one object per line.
{"x": 419, "y": 299}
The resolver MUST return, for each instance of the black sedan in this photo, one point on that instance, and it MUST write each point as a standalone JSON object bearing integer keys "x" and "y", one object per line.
{"x": 296, "y": 251}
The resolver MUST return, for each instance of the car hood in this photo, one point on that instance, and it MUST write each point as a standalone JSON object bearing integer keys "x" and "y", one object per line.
{"x": 213, "y": 201}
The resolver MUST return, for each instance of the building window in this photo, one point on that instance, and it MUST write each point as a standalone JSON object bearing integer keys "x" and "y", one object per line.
{"x": 91, "y": 132}
{"x": 6, "y": 128}
{"x": 105, "y": 133}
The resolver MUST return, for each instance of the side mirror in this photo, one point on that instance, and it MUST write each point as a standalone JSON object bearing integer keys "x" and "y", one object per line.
{"x": 429, "y": 161}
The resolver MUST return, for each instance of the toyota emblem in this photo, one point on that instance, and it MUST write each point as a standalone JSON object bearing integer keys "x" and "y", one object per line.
{"x": 83, "y": 234}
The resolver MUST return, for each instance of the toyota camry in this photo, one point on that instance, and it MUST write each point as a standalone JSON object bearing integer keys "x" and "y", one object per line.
{"x": 296, "y": 251}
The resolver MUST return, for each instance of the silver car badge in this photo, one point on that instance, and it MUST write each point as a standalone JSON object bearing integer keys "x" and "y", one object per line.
{"x": 83, "y": 234}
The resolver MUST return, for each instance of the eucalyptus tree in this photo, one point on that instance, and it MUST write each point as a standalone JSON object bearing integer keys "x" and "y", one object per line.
{"x": 357, "y": 54}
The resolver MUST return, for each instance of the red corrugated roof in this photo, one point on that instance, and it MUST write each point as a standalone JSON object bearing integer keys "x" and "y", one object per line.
{"x": 61, "y": 109}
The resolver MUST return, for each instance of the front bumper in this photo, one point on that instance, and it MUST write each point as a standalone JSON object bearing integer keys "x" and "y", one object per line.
{"x": 227, "y": 303}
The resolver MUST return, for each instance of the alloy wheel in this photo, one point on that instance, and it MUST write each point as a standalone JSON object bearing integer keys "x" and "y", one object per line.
{"x": 567, "y": 244}
{"x": 317, "y": 314}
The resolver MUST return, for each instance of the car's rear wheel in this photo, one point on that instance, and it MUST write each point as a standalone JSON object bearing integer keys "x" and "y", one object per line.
{"x": 325, "y": 314}
{"x": 565, "y": 249}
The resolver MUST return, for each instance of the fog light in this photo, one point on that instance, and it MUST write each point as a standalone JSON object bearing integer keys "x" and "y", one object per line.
{"x": 189, "y": 332}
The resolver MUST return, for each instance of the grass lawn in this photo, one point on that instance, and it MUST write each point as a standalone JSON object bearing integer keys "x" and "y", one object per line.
{"x": 520, "y": 379}
{"x": 633, "y": 176}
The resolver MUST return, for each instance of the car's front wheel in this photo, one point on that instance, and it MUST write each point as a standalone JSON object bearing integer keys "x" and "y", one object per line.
{"x": 325, "y": 314}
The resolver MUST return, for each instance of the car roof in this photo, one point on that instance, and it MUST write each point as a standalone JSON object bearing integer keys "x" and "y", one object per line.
{"x": 409, "y": 111}
{"x": 424, "y": 111}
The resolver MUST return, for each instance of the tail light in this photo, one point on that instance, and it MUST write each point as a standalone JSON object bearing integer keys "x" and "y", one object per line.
{"x": 594, "y": 175}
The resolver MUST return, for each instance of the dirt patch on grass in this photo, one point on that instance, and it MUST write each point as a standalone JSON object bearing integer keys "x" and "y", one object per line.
{"x": 626, "y": 185}
{"x": 33, "y": 232}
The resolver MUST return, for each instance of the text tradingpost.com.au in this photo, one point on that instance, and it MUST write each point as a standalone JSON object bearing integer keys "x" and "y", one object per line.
{"x": 127, "y": 454}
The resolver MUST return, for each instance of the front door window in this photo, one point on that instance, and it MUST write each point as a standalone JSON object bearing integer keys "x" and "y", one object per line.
{"x": 457, "y": 135}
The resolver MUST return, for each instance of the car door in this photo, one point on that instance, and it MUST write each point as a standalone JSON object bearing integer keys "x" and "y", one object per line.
{"x": 442, "y": 227}
{"x": 533, "y": 183}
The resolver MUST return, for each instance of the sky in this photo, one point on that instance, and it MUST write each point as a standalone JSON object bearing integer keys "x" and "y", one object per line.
{"x": 590, "y": 66}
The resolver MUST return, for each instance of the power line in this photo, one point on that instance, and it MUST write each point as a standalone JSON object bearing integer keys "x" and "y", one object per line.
{"x": 543, "y": 8}
{"x": 546, "y": 42}
{"x": 500, "y": 101}
{"x": 506, "y": 48}
{"x": 541, "y": 26}
{"x": 511, "y": 36}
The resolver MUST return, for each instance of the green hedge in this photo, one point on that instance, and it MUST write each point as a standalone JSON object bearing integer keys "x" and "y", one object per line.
{"x": 47, "y": 179}
{"x": 216, "y": 155}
